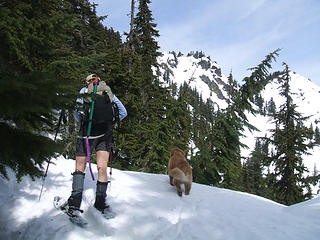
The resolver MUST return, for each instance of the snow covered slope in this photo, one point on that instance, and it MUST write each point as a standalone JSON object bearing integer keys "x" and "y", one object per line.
{"x": 147, "y": 207}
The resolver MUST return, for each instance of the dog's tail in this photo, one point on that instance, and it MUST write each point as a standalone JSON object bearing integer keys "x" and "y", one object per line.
{"x": 179, "y": 175}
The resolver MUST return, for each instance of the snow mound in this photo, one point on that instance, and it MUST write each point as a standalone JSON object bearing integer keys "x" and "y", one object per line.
{"x": 148, "y": 207}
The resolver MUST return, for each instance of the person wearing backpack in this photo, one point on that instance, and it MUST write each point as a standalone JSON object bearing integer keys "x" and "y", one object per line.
{"x": 100, "y": 139}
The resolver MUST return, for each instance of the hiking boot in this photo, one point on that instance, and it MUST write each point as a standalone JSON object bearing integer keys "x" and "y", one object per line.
{"x": 100, "y": 203}
{"x": 71, "y": 210}
{"x": 74, "y": 201}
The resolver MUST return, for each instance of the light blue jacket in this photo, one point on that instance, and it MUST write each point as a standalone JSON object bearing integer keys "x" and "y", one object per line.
{"x": 122, "y": 109}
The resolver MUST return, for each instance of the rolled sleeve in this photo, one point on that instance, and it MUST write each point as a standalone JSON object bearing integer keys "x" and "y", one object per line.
{"x": 122, "y": 109}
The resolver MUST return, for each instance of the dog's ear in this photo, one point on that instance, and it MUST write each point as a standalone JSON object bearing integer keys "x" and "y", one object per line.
{"x": 172, "y": 151}
{"x": 182, "y": 152}
{"x": 179, "y": 150}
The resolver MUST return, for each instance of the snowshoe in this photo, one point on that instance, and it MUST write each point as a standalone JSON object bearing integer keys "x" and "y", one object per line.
{"x": 73, "y": 213}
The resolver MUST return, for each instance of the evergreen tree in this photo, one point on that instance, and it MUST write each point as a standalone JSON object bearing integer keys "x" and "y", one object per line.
{"x": 232, "y": 90}
{"x": 205, "y": 168}
{"x": 179, "y": 115}
{"x": 271, "y": 107}
{"x": 291, "y": 140}
{"x": 236, "y": 120}
{"x": 32, "y": 35}
{"x": 317, "y": 135}
{"x": 254, "y": 84}
{"x": 150, "y": 131}
{"x": 255, "y": 164}
{"x": 259, "y": 102}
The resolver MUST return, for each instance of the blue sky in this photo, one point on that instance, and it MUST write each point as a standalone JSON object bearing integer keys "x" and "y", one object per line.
{"x": 238, "y": 34}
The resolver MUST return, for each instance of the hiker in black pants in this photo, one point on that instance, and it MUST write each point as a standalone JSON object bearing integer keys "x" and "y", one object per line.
{"x": 100, "y": 139}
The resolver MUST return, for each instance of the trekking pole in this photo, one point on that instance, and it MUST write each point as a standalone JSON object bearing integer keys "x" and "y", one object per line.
{"x": 62, "y": 116}
{"x": 95, "y": 83}
{"x": 111, "y": 152}
{"x": 110, "y": 159}
{"x": 117, "y": 140}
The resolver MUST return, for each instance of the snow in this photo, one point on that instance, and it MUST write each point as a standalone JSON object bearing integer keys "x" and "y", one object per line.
{"x": 148, "y": 207}
{"x": 189, "y": 71}
{"x": 305, "y": 94}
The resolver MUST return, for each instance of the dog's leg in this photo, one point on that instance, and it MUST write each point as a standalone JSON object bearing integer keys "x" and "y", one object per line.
{"x": 171, "y": 181}
{"x": 178, "y": 185}
{"x": 187, "y": 186}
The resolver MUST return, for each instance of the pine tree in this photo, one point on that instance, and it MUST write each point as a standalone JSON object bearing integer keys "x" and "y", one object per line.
{"x": 255, "y": 165}
{"x": 31, "y": 36}
{"x": 205, "y": 168}
{"x": 217, "y": 161}
{"x": 179, "y": 116}
{"x": 271, "y": 107}
{"x": 241, "y": 102}
{"x": 232, "y": 90}
{"x": 235, "y": 120}
{"x": 259, "y": 102}
{"x": 150, "y": 132}
{"x": 291, "y": 140}
{"x": 317, "y": 135}
{"x": 254, "y": 84}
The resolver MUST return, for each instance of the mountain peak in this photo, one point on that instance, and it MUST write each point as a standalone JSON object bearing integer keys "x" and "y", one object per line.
{"x": 199, "y": 72}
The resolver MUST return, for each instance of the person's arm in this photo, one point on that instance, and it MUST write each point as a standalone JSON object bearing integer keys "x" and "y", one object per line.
{"x": 122, "y": 109}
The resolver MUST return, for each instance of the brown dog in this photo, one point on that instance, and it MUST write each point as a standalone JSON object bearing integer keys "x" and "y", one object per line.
{"x": 180, "y": 172}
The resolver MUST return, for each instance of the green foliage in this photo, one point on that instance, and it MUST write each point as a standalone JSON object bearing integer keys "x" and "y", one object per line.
{"x": 254, "y": 84}
{"x": 255, "y": 181}
{"x": 271, "y": 107}
{"x": 148, "y": 122}
{"x": 29, "y": 159}
{"x": 31, "y": 36}
{"x": 28, "y": 109}
{"x": 317, "y": 135}
{"x": 291, "y": 140}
